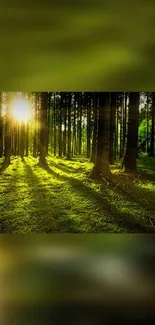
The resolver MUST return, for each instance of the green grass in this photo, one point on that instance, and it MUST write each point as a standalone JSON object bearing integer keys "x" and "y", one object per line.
{"x": 62, "y": 198}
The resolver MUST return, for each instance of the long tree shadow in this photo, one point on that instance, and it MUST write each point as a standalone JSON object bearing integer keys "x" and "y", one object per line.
{"x": 134, "y": 194}
{"x": 46, "y": 212}
{"x": 41, "y": 202}
{"x": 63, "y": 167}
{"x": 120, "y": 218}
{"x": 9, "y": 204}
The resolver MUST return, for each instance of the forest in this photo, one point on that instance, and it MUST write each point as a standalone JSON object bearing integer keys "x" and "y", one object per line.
{"x": 77, "y": 162}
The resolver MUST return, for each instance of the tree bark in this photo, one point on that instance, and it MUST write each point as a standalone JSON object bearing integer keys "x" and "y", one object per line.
{"x": 112, "y": 126}
{"x": 7, "y": 150}
{"x": 43, "y": 127}
{"x": 69, "y": 126}
{"x": 88, "y": 103}
{"x": 130, "y": 157}
{"x": 94, "y": 142}
{"x": 152, "y": 126}
{"x": 102, "y": 164}
{"x": 1, "y": 127}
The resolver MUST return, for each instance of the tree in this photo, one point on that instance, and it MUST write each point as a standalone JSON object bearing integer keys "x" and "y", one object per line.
{"x": 1, "y": 127}
{"x": 130, "y": 157}
{"x": 69, "y": 127}
{"x": 79, "y": 122}
{"x": 65, "y": 124}
{"x": 43, "y": 127}
{"x": 35, "y": 125}
{"x": 94, "y": 142}
{"x": 112, "y": 126}
{"x": 88, "y": 103}
{"x": 152, "y": 125}
{"x": 55, "y": 119}
{"x": 7, "y": 145}
{"x": 147, "y": 119}
{"x": 60, "y": 124}
{"x": 102, "y": 163}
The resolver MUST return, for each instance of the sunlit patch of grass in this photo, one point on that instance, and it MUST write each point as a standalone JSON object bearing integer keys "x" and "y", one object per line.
{"x": 149, "y": 186}
{"x": 62, "y": 198}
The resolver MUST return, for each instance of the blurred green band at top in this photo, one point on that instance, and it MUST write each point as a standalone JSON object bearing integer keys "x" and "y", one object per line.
{"x": 77, "y": 45}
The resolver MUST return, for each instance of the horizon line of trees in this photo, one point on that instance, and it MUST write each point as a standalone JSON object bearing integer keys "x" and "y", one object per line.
{"x": 103, "y": 126}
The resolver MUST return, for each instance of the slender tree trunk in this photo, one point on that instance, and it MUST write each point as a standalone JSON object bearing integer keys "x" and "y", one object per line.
{"x": 1, "y": 127}
{"x": 112, "y": 126}
{"x": 94, "y": 142}
{"x": 117, "y": 120}
{"x": 80, "y": 123}
{"x": 147, "y": 121}
{"x": 22, "y": 140}
{"x": 43, "y": 127}
{"x": 152, "y": 126}
{"x": 51, "y": 129}
{"x": 35, "y": 126}
{"x": 7, "y": 150}
{"x": 55, "y": 134}
{"x": 122, "y": 125}
{"x": 65, "y": 125}
{"x": 48, "y": 122}
{"x": 124, "y": 122}
{"x": 130, "y": 157}
{"x": 27, "y": 139}
{"x": 74, "y": 126}
{"x": 102, "y": 164}
{"x": 60, "y": 124}
{"x": 69, "y": 126}
{"x": 88, "y": 123}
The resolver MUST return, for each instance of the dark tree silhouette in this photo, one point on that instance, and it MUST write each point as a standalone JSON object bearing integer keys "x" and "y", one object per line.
{"x": 43, "y": 127}
{"x": 130, "y": 157}
{"x": 102, "y": 163}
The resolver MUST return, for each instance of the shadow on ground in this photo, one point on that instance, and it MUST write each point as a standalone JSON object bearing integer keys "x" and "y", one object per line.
{"x": 120, "y": 218}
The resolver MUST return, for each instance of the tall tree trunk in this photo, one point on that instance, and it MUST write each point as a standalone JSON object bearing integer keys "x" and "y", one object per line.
{"x": 22, "y": 140}
{"x": 1, "y": 127}
{"x": 69, "y": 126}
{"x": 122, "y": 125}
{"x": 102, "y": 164}
{"x": 43, "y": 127}
{"x": 74, "y": 125}
{"x": 125, "y": 121}
{"x": 88, "y": 103}
{"x": 7, "y": 150}
{"x": 80, "y": 122}
{"x": 65, "y": 124}
{"x": 117, "y": 120}
{"x": 112, "y": 126}
{"x": 152, "y": 126}
{"x": 27, "y": 127}
{"x": 35, "y": 126}
{"x": 60, "y": 124}
{"x": 51, "y": 129}
{"x": 55, "y": 134}
{"x": 48, "y": 122}
{"x": 27, "y": 139}
{"x": 147, "y": 121}
{"x": 94, "y": 142}
{"x": 130, "y": 157}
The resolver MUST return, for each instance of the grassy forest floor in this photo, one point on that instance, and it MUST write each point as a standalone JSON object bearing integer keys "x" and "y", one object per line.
{"x": 62, "y": 198}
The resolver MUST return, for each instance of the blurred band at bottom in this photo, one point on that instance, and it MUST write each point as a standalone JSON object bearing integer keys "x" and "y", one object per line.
{"x": 77, "y": 279}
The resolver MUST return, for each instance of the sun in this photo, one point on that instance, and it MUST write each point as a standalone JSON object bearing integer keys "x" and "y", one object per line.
{"x": 21, "y": 111}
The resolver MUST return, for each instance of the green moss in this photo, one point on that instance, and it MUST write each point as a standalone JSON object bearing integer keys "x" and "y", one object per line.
{"x": 61, "y": 198}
